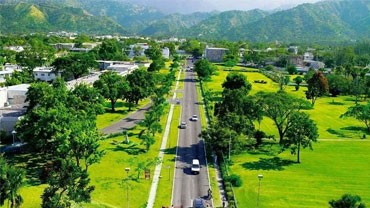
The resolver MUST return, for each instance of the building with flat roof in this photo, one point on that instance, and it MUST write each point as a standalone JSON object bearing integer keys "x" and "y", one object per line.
{"x": 45, "y": 74}
{"x": 215, "y": 54}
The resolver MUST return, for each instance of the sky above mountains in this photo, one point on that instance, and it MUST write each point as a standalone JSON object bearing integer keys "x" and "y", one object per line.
{"x": 189, "y": 6}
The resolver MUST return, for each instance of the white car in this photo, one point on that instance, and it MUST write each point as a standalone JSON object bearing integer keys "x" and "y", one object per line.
{"x": 194, "y": 118}
{"x": 195, "y": 166}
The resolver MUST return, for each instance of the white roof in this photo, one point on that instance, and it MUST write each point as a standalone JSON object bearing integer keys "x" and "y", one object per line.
{"x": 43, "y": 69}
{"x": 20, "y": 87}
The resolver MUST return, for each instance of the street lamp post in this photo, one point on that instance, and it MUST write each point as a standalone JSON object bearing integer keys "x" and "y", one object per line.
{"x": 127, "y": 195}
{"x": 260, "y": 176}
{"x": 14, "y": 132}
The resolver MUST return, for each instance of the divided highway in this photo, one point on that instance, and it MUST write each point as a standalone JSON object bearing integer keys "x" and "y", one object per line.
{"x": 188, "y": 186}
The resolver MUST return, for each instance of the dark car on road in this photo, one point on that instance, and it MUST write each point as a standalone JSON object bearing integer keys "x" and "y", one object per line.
{"x": 199, "y": 203}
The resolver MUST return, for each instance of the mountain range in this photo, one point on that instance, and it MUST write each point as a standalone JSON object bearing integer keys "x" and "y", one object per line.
{"x": 324, "y": 21}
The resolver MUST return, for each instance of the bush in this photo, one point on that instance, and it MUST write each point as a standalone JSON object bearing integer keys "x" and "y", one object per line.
{"x": 235, "y": 180}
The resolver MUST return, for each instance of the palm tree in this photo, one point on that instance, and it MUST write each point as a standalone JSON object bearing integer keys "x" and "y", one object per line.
{"x": 11, "y": 179}
{"x": 13, "y": 184}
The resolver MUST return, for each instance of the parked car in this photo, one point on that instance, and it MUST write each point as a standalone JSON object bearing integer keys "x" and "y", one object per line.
{"x": 195, "y": 166}
{"x": 194, "y": 118}
{"x": 183, "y": 125}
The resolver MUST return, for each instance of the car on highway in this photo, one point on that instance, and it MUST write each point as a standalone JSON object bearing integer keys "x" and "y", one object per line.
{"x": 194, "y": 118}
{"x": 195, "y": 166}
{"x": 183, "y": 125}
{"x": 199, "y": 203}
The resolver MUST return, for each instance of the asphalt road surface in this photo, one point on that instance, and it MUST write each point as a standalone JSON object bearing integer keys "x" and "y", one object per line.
{"x": 188, "y": 186}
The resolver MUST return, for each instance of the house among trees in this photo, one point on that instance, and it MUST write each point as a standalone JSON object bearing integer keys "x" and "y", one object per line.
{"x": 17, "y": 49}
{"x": 8, "y": 70}
{"x": 138, "y": 49}
{"x": 12, "y": 106}
{"x": 45, "y": 74}
{"x": 215, "y": 54}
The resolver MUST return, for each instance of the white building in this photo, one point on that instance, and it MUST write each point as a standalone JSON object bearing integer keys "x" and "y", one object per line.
{"x": 45, "y": 74}
{"x": 7, "y": 71}
{"x": 12, "y": 105}
{"x": 166, "y": 53}
{"x": 308, "y": 56}
{"x": 14, "y": 48}
{"x": 123, "y": 67}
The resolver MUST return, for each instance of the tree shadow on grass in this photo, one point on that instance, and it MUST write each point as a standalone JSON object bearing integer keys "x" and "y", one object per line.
{"x": 274, "y": 163}
{"x": 335, "y": 103}
{"x": 356, "y": 129}
{"x": 333, "y": 131}
{"x": 32, "y": 163}
{"x": 131, "y": 149}
{"x": 170, "y": 151}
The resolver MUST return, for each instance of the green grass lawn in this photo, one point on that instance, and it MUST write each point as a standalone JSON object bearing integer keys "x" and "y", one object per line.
{"x": 165, "y": 185}
{"x": 338, "y": 165}
{"x": 332, "y": 169}
{"x": 121, "y": 111}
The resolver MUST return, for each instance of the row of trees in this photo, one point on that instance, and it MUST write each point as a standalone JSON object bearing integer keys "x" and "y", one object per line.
{"x": 238, "y": 113}
{"x": 60, "y": 124}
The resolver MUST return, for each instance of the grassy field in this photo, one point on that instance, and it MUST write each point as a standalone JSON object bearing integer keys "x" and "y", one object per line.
{"x": 121, "y": 111}
{"x": 164, "y": 191}
{"x": 331, "y": 170}
{"x": 337, "y": 165}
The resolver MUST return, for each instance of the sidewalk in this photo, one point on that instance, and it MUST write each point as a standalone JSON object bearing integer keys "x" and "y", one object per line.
{"x": 157, "y": 171}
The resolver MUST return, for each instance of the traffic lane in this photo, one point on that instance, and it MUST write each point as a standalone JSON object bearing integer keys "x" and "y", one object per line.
{"x": 189, "y": 186}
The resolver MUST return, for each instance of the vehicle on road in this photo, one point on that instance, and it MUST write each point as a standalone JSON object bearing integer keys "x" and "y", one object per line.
{"x": 199, "y": 203}
{"x": 183, "y": 125}
{"x": 194, "y": 118}
{"x": 195, "y": 166}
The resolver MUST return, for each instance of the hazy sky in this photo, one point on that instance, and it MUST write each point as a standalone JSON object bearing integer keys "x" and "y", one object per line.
{"x": 189, "y": 6}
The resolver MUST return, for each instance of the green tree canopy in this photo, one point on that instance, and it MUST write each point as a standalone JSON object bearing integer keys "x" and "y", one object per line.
{"x": 75, "y": 65}
{"x": 347, "y": 201}
{"x": 359, "y": 112}
{"x": 302, "y": 133}
{"x": 279, "y": 107}
{"x": 204, "y": 69}
{"x": 317, "y": 86}
{"x": 111, "y": 86}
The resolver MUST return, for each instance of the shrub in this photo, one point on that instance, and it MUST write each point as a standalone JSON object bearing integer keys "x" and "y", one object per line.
{"x": 235, "y": 180}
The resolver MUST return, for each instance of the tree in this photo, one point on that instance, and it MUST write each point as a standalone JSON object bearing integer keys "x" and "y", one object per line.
{"x": 110, "y": 50}
{"x": 87, "y": 98}
{"x": 154, "y": 52}
{"x": 302, "y": 133}
{"x": 141, "y": 85}
{"x": 317, "y": 86}
{"x": 338, "y": 84}
{"x": 19, "y": 77}
{"x": 347, "y": 201}
{"x": 231, "y": 60}
{"x": 204, "y": 69}
{"x": 11, "y": 180}
{"x": 279, "y": 107}
{"x": 292, "y": 69}
{"x": 236, "y": 81}
{"x": 111, "y": 86}
{"x": 68, "y": 183}
{"x": 298, "y": 80}
{"x": 359, "y": 112}
{"x": 156, "y": 65}
{"x": 74, "y": 66}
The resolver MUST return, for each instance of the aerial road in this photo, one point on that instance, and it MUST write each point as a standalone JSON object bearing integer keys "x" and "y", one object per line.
{"x": 188, "y": 185}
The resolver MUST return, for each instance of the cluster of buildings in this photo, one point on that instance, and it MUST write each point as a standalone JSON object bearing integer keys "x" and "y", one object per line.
{"x": 303, "y": 63}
